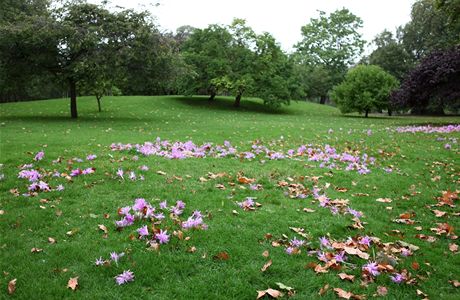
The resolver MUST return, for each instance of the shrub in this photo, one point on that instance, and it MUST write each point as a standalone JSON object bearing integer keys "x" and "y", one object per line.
{"x": 365, "y": 88}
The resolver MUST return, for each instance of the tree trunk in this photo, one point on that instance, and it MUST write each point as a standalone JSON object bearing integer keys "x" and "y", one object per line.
{"x": 73, "y": 99}
{"x": 390, "y": 112}
{"x": 237, "y": 100}
{"x": 322, "y": 100}
{"x": 213, "y": 95}
{"x": 367, "y": 113}
{"x": 98, "y": 98}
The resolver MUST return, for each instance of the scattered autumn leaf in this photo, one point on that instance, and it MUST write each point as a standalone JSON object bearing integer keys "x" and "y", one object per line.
{"x": 342, "y": 293}
{"x": 324, "y": 289}
{"x": 439, "y": 213}
{"x": 453, "y": 247}
{"x": 344, "y": 276}
{"x": 455, "y": 283}
{"x": 420, "y": 293}
{"x": 308, "y": 210}
{"x": 266, "y": 253}
{"x": 266, "y": 266}
{"x": 271, "y": 292}
{"x": 221, "y": 256}
{"x": 384, "y": 200}
{"x": 161, "y": 173}
{"x": 103, "y": 228}
{"x": 51, "y": 240}
{"x": 73, "y": 283}
{"x": 12, "y": 286}
{"x": 382, "y": 291}
{"x": 36, "y": 250}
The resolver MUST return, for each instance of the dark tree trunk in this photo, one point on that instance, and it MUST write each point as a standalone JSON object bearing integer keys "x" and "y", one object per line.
{"x": 390, "y": 112}
{"x": 73, "y": 99}
{"x": 213, "y": 96}
{"x": 367, "y": 113}
{"x": 237, "y": 100}
{"x": 322, "y": 100}
{"x": 98, "y": 98}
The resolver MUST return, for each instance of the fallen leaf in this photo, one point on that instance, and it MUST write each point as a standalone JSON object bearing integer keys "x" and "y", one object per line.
{"x": 415, "y": 265}
{"x": 439, "y": 213}
{"x": 455, "y": 283}
{"x": 266, "y": 266}
{"x": 266, "y": 253}
{"x": 382, "y": 291}
{"x": 420, "y": 293}
{"x": 161, "y": 173}
{"x": 220, "y": 186}
{"x": 343, "y": 294}
{"x": 384, "y": 200}
{"x": 245, "y": 180}
{"x": 324, "y": 289}
{"x": 103, "y": 228}
{"x": 453, "y": 247}
{"x": 191, "y": 249}
{"x": 308, "y": 210}
{"x": 51, "y": 240}
{"x": 271, "y": 292}
{"x": 282, "y": 286}
{"x": 73, "y": 283}
{"x": 2, "y": 212}
{"x": 344, "y": 276}
{"x": 36, "y": 250}
{"x": 221, "y": 256}
{"x": 12, "y": 286}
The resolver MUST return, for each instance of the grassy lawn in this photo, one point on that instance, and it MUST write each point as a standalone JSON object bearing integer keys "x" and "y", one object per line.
{"x": 224, "y": 261}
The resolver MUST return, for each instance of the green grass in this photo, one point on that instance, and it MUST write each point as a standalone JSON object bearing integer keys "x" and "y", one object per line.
{"x": 173, "y": 273}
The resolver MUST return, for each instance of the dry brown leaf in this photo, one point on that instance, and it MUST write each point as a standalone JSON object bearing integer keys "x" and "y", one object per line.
{"x": 2, "y": 212}
{"x": 221, "y": 256}
{"x": 342, "y": 293}
{"x": 103, "y": 228}
{"x": 439, "y": 213}
{"x": 308, "y": 210}
{"x": 455, "y": 283}
{"x": 344, "y": 276}
{"x": 324, "y": 289}
{"x": 382, "y": 291}
{"x": 356, "y": 251}
{"x": 384, "y": 200}
{"x": 36, "y": 250}
{"x": 453, "y": 247}
{"x": 415, "y": 265}
{"x": 161, "y": 173}
{"x": 220, "y": 186}
{"x": 266, "y": 253}
{"x": 73, "y": 283}
{"x": 245, "y": 180}
{"x": 271, "y": 292}
{"x": 12, "y": 286}
{"x": 191, "y": 249}
{"x": 266, "y": 266}
{"x": 420, "y": 293}
{"x": 51, "y": 240}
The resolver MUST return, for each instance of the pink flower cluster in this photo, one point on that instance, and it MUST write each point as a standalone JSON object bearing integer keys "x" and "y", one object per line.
{"x": 429, "y": 129}
{"x": 327, "y": 156}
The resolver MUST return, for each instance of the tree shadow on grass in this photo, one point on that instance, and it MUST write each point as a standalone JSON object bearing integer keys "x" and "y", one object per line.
{"x": 226, "y": 104}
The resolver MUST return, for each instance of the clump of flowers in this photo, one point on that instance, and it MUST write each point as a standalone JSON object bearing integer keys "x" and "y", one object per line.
{"x": 248, "y": 204}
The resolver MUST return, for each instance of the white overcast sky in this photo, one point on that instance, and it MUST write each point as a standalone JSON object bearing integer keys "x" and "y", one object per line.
{"x": 282, "y": 18}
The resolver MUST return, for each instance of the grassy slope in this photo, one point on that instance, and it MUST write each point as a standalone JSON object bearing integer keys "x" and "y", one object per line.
{"x": 174, "y": 273}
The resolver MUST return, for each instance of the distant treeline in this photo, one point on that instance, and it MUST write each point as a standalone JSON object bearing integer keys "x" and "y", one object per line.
{"x": 52, "y": 49}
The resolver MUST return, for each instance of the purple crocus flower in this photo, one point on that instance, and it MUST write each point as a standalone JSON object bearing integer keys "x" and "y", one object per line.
{"x": 180, "y": 204}
{"x": 397, "y": 278}
{"x": 355, "y": 213}
{"x": 297, "y": 243}
{"x": 143, "y": 231}
{"x": 39, "y": 156}
{"x": 163, "y": 205}
{"x": 324, "y": 242}
{"x": 91, "y": 157}
{"x": 120, "y": 173}
{"x": 115, "y": 256}
{"x": 124, "y": 277}
{"x": 340, "y": 257}
{"x": 59, "y": 188}
{"x": 365, "y": 240}
{"x": 322, "y": 256}
{"x": 99, "y": 261}
{"x": 371, "y": 268}
{"x": 139, "y": 204}
{"x": 162, "y": 237}
{"x": 290, "y": 250}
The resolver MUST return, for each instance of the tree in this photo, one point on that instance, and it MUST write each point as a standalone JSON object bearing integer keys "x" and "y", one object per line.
{"x": 364, "y": 88}
{"x": 429, "y": 29}
{"x": 332, "y": 42}
{"x": 433, "y": 85}
{"x": 391, "y": 55}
